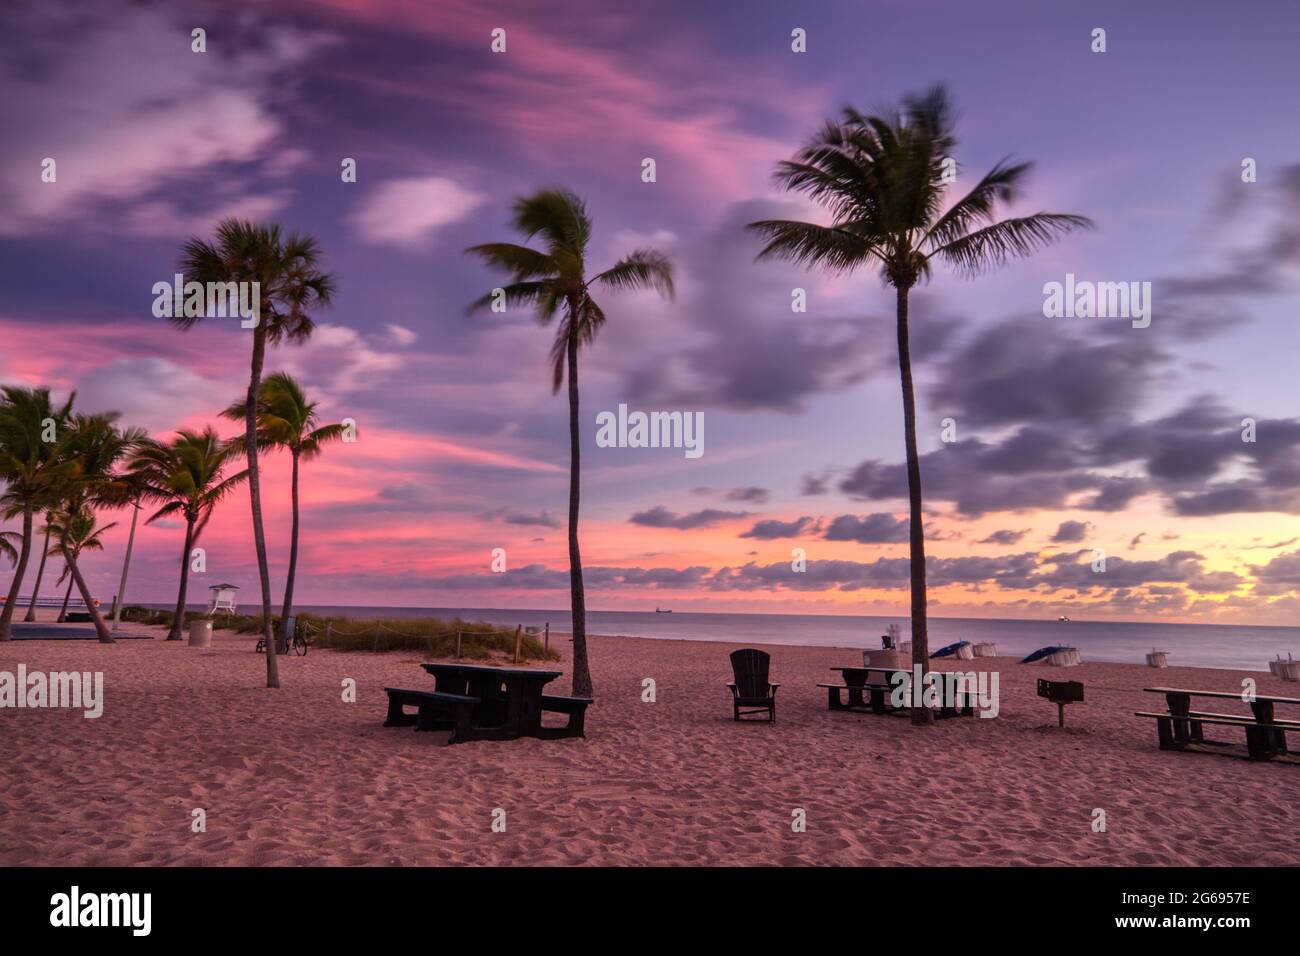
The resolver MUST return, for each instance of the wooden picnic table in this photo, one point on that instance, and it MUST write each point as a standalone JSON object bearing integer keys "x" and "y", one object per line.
{"x": 510, "y": 698}
{"x": 858, "y": 680}
{"x": 1185, "y": 726}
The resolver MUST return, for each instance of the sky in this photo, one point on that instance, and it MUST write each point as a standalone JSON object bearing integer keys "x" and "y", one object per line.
{"x": 1074, "y": 437}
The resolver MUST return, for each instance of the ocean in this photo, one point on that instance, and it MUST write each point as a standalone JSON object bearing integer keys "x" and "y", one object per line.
{"x": 1188, "y": 645}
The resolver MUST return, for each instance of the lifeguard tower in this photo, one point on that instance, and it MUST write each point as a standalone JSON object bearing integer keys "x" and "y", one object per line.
{"x": 223, "y": 598}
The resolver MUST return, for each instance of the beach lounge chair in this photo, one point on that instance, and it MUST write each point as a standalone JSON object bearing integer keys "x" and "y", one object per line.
{"x": 751, "y": 691}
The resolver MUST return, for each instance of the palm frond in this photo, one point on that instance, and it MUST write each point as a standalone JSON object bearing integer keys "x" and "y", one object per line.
{"x": 312, "y": 443}
{"x": 641, "y": 269}
{"x": 992, "y": 246}
{"x": 559, "y": 216}
{"x": 807, "y": 243}
{"x": 522, "y": 262}
{"x": 516, "y": 293}
{"x": 559, "y": 355}
{"x": 1001, "y": 184}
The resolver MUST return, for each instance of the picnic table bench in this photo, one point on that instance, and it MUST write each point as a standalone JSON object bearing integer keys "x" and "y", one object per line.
{"x": 575, "y": 707}
{"x": 859, "y": 680}
{"x": 435, "y": 711}
{"x": 487, "y": 703}
{"x": 1181, "y": 728}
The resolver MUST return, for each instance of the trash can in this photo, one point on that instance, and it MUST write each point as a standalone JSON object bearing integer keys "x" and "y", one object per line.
{"x": 201, "y": 632}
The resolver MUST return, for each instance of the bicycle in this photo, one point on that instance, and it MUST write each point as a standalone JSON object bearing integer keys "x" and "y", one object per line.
{"x": 297, "y": 645}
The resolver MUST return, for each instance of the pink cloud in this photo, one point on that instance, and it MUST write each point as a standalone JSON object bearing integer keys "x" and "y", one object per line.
{"x": 559, "y": 97}
{"x": 407, "y": 212}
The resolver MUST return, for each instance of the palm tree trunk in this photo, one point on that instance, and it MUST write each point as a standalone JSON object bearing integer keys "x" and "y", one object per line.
{"x": 293, "y": 553}
{"x": 255, "y": 496}
{"x": 178, "y": 619}
{"x": 126, "y": 566}
{"x": 40, "y": 573}
{"x": 67, "y": 599}
{"x": 7, "y": 614}
{"x": 578, "y": 600}
{"x": 920, "y": 632}
{"x": 105, "y": 635}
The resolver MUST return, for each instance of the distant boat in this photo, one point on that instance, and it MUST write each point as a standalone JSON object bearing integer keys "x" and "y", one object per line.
{"x": 660, "y": 610}
{"x": 1062, "y": 619}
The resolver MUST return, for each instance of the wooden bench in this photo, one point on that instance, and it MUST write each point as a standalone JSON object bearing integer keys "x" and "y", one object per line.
{"x": 435, "y": 711}
{"x": 1263, "y": 741}
{"x": 1181, "y": 727}
{"x": 879, "y": 697}
{"x": 575, "y": 707}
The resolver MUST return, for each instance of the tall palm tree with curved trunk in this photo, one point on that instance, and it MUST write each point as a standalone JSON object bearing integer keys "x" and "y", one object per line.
{"x": 882, "y": 180}
{"x": 74, "y": 533}
{"x": 286, "y": 419}
{"x": 95, "y": 446}
{"x": 187, "y": 475}
{"x": 33, "y": 439}
{"x": 286, "y": 267}
{"x": 554, "y": 281}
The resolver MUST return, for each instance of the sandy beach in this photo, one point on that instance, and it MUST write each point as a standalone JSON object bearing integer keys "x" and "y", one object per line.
{"x": 297, "y": 776}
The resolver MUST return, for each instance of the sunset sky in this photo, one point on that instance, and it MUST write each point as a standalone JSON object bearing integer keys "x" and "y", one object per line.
{"x": 1072, "y": 434}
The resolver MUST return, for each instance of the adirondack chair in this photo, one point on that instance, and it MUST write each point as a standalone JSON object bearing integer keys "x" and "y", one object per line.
{"x": 751, "y": 692}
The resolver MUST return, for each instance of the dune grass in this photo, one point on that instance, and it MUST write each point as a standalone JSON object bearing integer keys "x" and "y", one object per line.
{"x": 432, "y": 636}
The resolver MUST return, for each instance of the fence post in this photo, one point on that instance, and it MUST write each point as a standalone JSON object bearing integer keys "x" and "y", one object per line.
{"x": 519, "y": 636}
{"x": 376, "y": 647}
{"x": 458, "y": 645}
{"x": 547, "y": 638}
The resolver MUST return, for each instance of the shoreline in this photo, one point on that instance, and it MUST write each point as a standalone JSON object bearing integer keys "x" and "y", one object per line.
{"x": 130, "y": 630}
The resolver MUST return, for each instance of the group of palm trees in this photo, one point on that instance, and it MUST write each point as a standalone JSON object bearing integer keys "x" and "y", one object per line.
{"x": 68, "y": 467}
{"x": 882, "y": 179}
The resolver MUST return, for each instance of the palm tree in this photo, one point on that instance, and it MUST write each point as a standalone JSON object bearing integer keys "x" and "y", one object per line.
{"x": 74, "y": 533}
{"x": 126, "y": 566}
{"x": 553, "y": 280}
{"x": 882, "y": 179}
{"x": 290, "y": 284}
{"x": 95, "y": 446}
{"x": 40, "y": 569}
{"x": 30, "y": 466}
{"x": 186, "y": 475}
{"x": 285, "y": 419}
